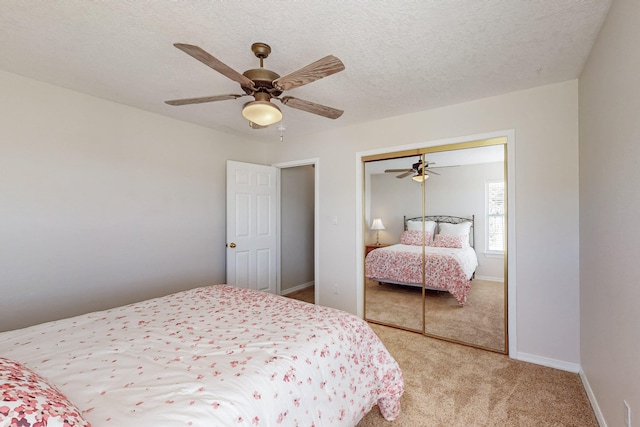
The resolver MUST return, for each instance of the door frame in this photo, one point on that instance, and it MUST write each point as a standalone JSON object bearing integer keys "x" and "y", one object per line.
{"x": 316, "y": 220}
{"x": 511, "y": 224}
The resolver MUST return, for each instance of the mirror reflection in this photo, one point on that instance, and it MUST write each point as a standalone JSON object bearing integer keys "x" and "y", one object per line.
{"x": 449, "y": 230}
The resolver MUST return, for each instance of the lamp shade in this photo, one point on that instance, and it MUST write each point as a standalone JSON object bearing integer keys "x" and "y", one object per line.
{"x": 420, "y": 178}
{"x": 263, "y": 113}
{"x": 377, "y": 224}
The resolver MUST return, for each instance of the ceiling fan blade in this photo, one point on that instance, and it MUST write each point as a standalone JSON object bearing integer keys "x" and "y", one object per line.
{"x": 405, "y": 174}
{"x": 202, "y": 100}
{"x": 398, "y": 170}
{"x": 430, "y": 171}
{"x": 216, "y": 64}
{"x": 315, "y": 71}
{"x": 310, "y": 107}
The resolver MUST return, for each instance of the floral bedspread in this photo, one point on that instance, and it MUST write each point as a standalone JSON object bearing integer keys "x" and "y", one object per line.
{"x": 448, "y": 269}
{"x": 214, "y": 356}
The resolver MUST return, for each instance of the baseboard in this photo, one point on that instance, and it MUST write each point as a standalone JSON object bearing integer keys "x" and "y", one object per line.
{"x": 297, "y": 288}
{"x": 490, "y": 279}
{"x": 550, "y": 363}
{"x": 592, "y": 399}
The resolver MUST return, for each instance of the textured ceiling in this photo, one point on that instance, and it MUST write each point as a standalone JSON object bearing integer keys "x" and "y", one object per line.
{"x": 401, "y": 56}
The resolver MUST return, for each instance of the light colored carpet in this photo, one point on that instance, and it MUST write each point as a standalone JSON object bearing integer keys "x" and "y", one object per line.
{"x": 479, "y": 322}
{"x": 394, "y": 304}
{"x": 453, "y": 385}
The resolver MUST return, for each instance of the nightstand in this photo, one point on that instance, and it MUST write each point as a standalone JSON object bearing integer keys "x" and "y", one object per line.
{"x": 369, "y": 248}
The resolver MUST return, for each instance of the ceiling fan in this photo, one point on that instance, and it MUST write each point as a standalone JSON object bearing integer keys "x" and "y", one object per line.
{"x": 416, "y": 171}
{"x": 265, "y": 85}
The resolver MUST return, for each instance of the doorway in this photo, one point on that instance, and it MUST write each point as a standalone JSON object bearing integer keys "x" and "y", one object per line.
{"x": 297, "y": 237}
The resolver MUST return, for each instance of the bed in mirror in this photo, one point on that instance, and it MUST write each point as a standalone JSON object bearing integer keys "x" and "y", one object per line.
{"x": 452, "y": 218}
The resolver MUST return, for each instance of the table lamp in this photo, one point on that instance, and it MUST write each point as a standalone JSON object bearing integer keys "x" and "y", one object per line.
{"x": 377, "y": 225}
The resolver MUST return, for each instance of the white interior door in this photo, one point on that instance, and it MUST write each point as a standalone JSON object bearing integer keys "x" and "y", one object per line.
{"x": 251, "y": 226}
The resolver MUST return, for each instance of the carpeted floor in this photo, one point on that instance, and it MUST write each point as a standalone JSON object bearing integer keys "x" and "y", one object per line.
{"x": 453, "y": 385}
{"x": 307, "y": 294}
{"x": 457, "y": 386}
{"x": 480, "y": 321}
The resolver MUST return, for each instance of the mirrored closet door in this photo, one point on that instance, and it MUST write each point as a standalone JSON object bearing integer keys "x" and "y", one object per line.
{"x": 438, "y": 216}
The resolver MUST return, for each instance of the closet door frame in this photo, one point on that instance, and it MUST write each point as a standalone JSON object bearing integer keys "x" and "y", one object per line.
{"x": 506, "y": 138}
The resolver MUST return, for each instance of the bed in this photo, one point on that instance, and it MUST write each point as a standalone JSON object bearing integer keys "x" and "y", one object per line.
{"x": 450, "y": 259}
{"x": 212, "y": 356}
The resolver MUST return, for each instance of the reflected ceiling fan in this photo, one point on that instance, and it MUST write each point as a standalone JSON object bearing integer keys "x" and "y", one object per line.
{"x": 416, "y": 171}
{"x": 265, "y": 85}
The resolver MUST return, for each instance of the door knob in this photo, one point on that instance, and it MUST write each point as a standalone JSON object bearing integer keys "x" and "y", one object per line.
{"x": 232, "y": 245}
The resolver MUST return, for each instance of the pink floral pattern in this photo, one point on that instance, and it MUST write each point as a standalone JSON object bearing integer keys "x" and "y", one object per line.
{"x": 28, "y": 400}
{"x": 217, "y": 355}
{"x": 445, "y": 268}
{"x": 414, "y": 237}
{"x": 442, "y": 241}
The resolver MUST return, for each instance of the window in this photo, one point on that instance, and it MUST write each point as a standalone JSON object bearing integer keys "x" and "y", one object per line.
{"x": 494, "y": 192}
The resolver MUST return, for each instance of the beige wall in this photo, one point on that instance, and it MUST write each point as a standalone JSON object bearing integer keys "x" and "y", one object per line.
{"x": 546, "y": 131}
{"x": 609, "y": 207}
{"x": 102, "y": 204}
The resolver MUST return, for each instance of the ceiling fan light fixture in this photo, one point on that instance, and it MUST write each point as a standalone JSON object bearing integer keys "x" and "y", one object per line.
{"x": 262, "y": 113}
{"x": 420, "y": 178}
{"x": 264, "y": 84}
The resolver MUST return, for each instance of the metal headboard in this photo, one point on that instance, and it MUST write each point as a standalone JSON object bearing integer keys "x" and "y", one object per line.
{"x": 450, "y": 220}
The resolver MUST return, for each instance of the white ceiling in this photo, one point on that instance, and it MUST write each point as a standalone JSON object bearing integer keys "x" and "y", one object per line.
{"x": 401, "y": 56}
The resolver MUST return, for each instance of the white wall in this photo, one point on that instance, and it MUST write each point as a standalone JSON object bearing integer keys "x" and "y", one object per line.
{"x": 390, "y": 199}
{"x": 545, "y": 123}
{"x": 94, "y": 197}
{"x": 609, "y": 207}
{"x": 102, "y": 204}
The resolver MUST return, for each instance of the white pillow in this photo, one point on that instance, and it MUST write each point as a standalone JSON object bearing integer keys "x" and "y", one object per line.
{"x": 429, "y": 226}
{"x": 462, "y": 229}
